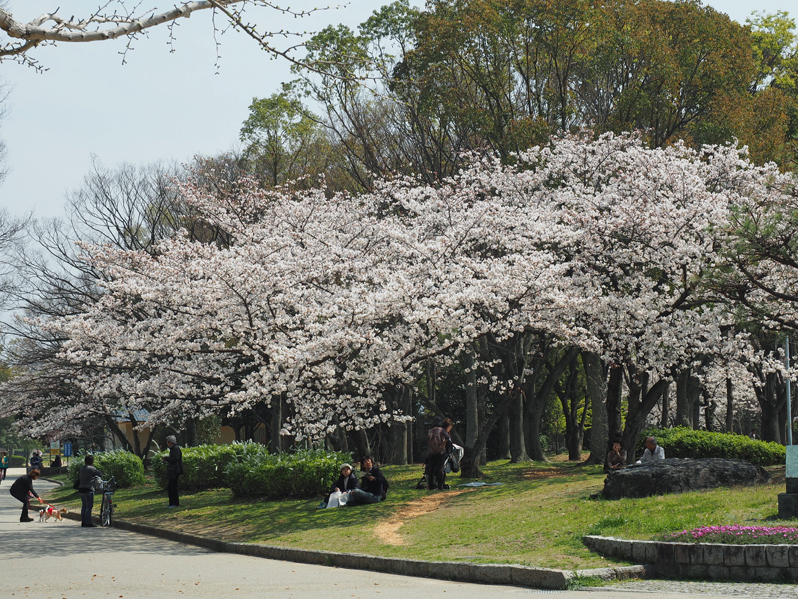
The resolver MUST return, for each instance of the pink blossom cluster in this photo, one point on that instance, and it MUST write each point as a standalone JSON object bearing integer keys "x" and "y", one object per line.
{"x": 751, "y": 532}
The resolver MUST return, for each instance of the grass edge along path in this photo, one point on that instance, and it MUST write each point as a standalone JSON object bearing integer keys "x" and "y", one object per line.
{"x": 536, "y": 518}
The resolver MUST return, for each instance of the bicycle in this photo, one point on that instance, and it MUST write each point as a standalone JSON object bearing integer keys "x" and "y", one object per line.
{"x": 107, "y": 488}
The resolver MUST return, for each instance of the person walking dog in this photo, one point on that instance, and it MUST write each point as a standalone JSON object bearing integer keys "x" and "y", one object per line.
{"x": 22, "y": 489}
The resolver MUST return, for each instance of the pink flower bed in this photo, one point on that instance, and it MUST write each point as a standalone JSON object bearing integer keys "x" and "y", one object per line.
{"x": 736, "y": 535}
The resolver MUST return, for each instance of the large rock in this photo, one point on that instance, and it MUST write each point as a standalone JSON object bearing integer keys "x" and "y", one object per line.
{"x": 676, "y": 476}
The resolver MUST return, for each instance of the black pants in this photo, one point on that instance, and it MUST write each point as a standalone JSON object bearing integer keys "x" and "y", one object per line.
{"x": 24, "y": 516}
{"x": 86, "y": 505}
{"x": 436, "y": 476}
{"x": 172, "y": 488}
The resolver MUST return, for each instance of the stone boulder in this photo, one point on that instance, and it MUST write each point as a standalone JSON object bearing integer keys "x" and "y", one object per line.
{"x": 677, "y": 476}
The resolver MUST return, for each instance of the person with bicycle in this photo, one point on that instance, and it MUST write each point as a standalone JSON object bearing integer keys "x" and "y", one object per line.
{"x": 86, "y": 489}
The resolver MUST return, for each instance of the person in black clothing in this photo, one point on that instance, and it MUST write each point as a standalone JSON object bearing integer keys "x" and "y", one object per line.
{"x": 174, "y": 468}
{"x": 373, "y": 486}
{"x": 22, "y": 489}
{"x": 86, "y": 477}
{"x": 440, "y": 444}
{"x": 36, "y": 460}
{"x": 345, "y": 483}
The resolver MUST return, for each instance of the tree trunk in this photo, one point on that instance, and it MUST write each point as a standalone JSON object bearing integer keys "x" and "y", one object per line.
{"x": 639, "y": 411}
{"x": 191, "y": 432}
{"x": 504, "y": 437}
{"x": 683, "y": 408}
{"x": 614, "y": 393}
{"x": 276, "y": 441}
{"x": 729, "y": 406}
{"x": 398, "y": 430}
{"x": 596, "y": 387}
{"x": 471, "y": 400}
{"x": 516, "y": 422}
{"x": 574, "y": 425}
{"x": 663, "y": 422}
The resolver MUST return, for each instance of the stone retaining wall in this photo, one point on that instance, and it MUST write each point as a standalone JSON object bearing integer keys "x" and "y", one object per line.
{"x": 714, "y": 561}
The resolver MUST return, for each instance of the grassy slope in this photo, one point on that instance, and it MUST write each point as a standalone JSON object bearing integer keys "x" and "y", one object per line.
{"x": 537, "y": 517}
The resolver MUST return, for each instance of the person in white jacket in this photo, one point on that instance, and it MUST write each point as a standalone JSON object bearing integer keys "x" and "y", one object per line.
{"x": 652, "y": 453}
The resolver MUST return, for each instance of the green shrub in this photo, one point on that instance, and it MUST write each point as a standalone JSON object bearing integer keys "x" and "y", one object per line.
{"x": 204, "y": 466}
{"x": 304, "y": 473}
{"x": 16, "y": 461}
{"x": 125, "y": 467}
{"x": 681, "y": 442}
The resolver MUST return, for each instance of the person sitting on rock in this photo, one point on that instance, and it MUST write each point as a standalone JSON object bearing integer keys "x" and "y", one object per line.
{"x": 652, "y": 453}
{"x": 616, "y": 459}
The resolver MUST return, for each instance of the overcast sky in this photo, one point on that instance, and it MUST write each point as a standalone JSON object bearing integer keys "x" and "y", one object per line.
{"x": 158, "y": 106}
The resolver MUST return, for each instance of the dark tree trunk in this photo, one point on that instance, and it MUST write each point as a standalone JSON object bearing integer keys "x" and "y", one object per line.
{"x": 398, "y": 430}
{"x": 688, "y": 391}
{"x": 516, "y": 422}
{"x": 596, "y": 387}
{"x": 729, "y": 406}
{"x": 574, "y": 423}
{"x": 471, "y": 400}
{"x": 537, "y": 397}
{"x": 191, "y": 432}
{"x": 614, "y": 393}
{"x": 663, "y": 422}
{"x": 640, "y": 409}
{"x": 503, "y": 446}
{"x": 113, "y": 426}
{"x": 279, "y": 412}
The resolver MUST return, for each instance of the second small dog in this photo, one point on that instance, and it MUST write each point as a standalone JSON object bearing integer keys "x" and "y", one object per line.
{"x": 51, "y": 512}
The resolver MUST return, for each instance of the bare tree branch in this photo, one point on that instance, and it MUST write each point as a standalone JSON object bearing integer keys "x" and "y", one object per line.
{"x": 107, "y": 24}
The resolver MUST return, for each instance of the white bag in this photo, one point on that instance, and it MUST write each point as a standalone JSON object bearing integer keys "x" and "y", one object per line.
{"x": 337, "y": 499}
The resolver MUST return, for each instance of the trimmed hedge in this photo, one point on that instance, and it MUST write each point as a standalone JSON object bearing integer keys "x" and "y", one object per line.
{"x": 16, "y": 461}
{"x": 681, "y": 442}
{"x": 251, "y": 471}
{"x": 125, "y": 467}
{"x": 302, "y": 474}
{"x": 205, "y": 466}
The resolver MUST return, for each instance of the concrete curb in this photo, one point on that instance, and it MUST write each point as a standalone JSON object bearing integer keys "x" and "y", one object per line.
{"x": 506, "y": 574}
{"x": 708, "y": 561}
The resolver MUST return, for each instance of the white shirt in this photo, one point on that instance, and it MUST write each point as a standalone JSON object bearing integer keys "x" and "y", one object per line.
{"x": 649, "y": 456}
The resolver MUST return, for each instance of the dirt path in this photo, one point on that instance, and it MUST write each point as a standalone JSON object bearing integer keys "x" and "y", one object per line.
{"x": 388, "y": 531}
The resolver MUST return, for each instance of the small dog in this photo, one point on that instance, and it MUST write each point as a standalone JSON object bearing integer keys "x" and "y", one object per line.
{"x": 51, "y": 512}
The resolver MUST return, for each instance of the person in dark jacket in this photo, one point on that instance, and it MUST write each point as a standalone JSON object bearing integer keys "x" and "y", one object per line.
{"x": 86, "y": 476}
{"x": 174, "y": 468}
{"x": 36, "y": 460}
{"x": 439, "y": 447}
{"x": 345, "y": 483}
{"x": 22, "y": 489}
{"x": 373, "y": 486}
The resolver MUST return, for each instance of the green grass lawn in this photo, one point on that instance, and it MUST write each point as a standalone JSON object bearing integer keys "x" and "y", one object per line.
{"x": 537, "y": 517}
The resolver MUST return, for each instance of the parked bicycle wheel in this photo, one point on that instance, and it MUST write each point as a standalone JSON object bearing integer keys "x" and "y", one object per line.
{"x": 106, "y": 511}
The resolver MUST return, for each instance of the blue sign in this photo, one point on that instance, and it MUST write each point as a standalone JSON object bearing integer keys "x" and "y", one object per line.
{"x": 67, "y": 449}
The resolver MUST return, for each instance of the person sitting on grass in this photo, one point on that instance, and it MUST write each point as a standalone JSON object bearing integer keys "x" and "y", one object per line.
{"x": 373, "y": 486}
{"x": 342, "y": 487}
{"x": 652, "y": 453}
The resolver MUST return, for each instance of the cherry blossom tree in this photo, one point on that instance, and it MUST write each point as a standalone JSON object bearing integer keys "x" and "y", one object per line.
{"x": 330, "y": 302}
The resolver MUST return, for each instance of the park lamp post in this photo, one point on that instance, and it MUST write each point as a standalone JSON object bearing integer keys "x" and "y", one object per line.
{"x": 788, "y": 502}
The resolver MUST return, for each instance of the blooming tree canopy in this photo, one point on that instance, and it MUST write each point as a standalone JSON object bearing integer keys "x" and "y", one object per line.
{"x": 328, "y": 301}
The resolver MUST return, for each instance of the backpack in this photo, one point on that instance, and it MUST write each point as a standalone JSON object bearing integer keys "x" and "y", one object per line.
{"x": 436, "y": 440}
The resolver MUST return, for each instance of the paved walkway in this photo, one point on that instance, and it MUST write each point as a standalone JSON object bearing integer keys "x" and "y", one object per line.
{"x": 57, "y": 560}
